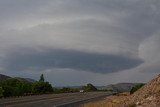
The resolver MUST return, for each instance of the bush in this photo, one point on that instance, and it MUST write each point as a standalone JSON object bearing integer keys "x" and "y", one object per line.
{"x": 135, "y": 88}
{"x": 68, "y": 90}
{"x": 56, "y": 90}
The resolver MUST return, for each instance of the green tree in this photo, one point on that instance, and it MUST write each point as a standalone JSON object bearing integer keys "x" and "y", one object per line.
{"x": 8, "y": 91}
{"x": 1, "y": 92}
{"x": 135, "y": 88}
{"x": 41, "y": 87}
{"x": 89, "y": 87}
{"x": 41, "y": 78}
{"x": 24, "y": 87}
{"x": 15, "y": 87}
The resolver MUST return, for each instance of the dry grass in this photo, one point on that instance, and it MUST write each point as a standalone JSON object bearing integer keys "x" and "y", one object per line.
{"x": 112, "y": 101}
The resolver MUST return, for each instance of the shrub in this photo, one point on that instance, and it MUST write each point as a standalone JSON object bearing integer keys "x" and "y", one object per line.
{"x": 135, "y": 88}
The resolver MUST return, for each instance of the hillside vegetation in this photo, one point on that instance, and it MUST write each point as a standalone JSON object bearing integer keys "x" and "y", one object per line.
{"x": 18, "y": 86}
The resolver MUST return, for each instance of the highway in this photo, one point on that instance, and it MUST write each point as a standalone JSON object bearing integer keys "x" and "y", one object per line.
{"x": 53, "y": 100}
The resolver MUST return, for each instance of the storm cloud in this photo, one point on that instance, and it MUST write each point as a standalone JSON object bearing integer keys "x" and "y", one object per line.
{"x": 98, "y": 39}
{"x": 27, "y": 59}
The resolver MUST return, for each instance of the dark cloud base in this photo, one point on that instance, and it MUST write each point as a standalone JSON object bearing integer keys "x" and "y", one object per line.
{"x": 24, "y": 59}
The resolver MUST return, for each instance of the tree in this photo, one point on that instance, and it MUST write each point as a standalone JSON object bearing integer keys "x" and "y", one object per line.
{"x": 15, "y": 87}
{"x": 41, "y": 78}
{"x": 135, "y": 88}
{"x": 24, "y": 87}
{"x": 1, "y": 92}
{"x": 41, "y": 87}
{"x": 89, "y": 87}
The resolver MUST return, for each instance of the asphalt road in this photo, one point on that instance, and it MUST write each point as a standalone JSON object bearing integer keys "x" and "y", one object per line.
{"x": 52, "y": 100}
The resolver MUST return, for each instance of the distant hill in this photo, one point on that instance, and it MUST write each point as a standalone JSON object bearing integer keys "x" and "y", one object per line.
{"x": 4, "y": 77}
{"x": 120, "y": 87}
{"x": 26, "y": 79}
{"x": 30, "y": 80}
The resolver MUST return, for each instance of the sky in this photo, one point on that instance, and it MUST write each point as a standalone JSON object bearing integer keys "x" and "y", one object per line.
{"x": 75, "y": 42}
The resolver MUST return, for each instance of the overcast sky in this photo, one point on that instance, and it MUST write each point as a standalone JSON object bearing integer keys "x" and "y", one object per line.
{"x": 74, "y": 42}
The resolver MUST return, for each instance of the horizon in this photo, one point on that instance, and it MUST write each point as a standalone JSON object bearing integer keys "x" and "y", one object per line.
{"x": 74, "y": 42}
{"x": 71, "y": 86}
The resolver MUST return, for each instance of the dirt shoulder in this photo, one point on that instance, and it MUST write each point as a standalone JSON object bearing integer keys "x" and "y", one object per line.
{"x": 111, "y": 101}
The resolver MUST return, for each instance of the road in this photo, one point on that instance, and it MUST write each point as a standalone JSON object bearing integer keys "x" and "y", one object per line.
{"x": 52, "y": 100}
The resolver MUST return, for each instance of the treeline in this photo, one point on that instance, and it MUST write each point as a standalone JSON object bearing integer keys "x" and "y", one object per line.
{"x": 16, "y": 87}
{"x": 88, "y": 88}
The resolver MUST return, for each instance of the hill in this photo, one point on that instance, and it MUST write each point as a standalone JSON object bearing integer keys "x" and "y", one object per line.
{"x": 120, "y": 87}
{"x": 25, "y": 79}
{"x": 4, "y": 77}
